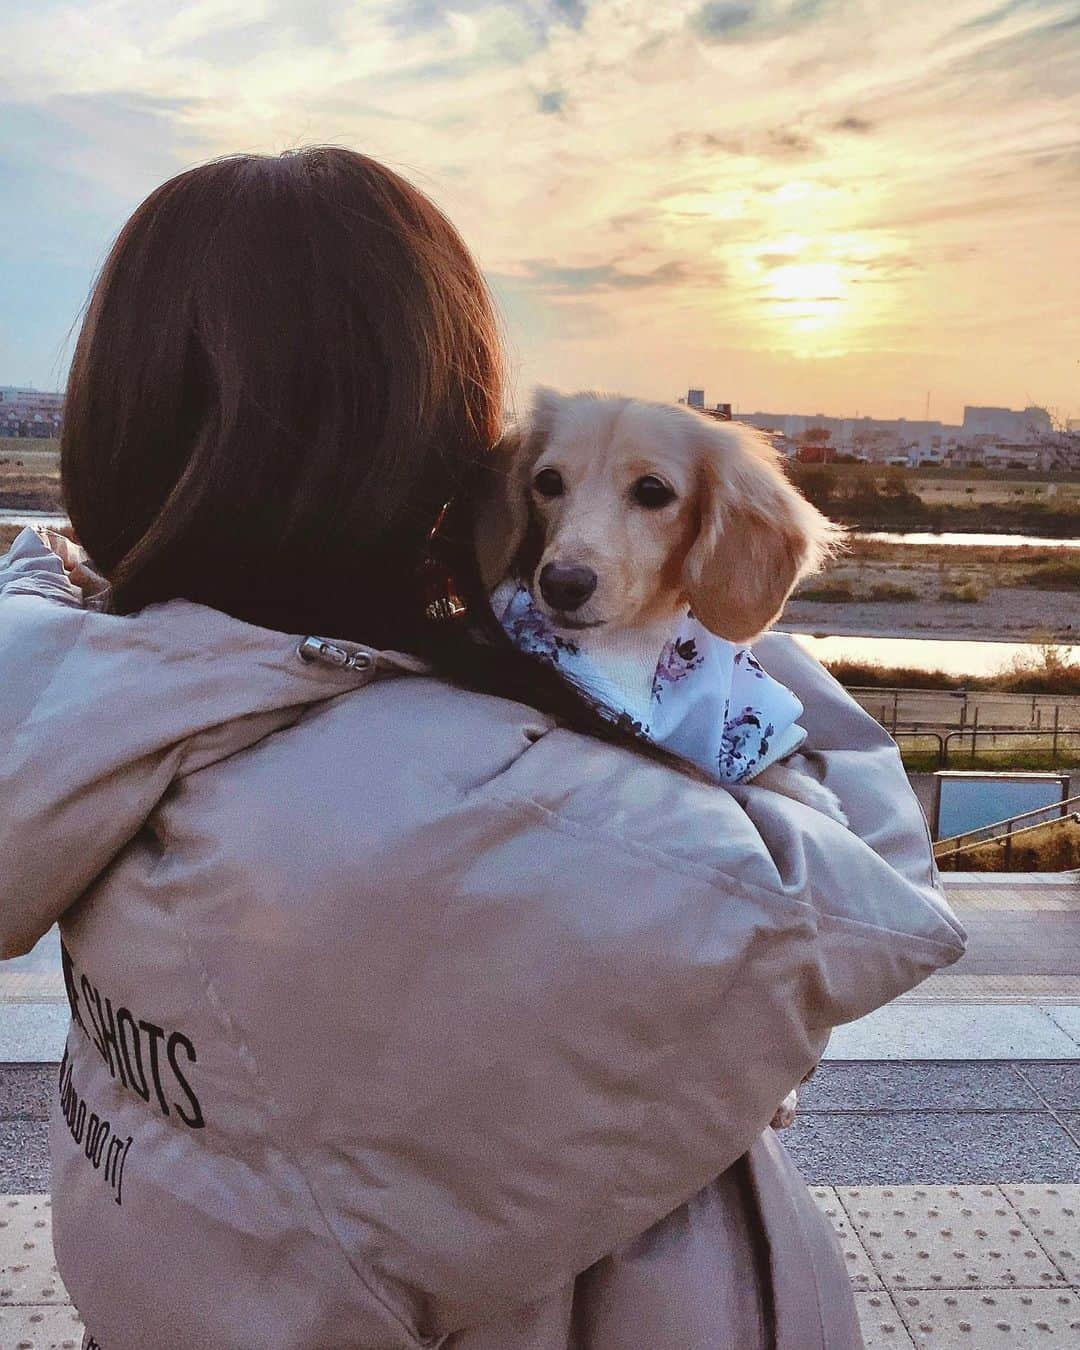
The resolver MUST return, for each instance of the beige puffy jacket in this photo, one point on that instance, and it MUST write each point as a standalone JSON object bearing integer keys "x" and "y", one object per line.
{"x": 402, "y": 1017}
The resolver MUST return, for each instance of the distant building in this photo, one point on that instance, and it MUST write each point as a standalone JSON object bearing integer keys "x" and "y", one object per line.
{"x": 30, "y": 412}
{"x": 695, "y": 398}
{"x": 993, "y": 437}
{"x": 869, "y": 438}
{"x": 1031, "y": 424}
{"x": 1020, "y": 457}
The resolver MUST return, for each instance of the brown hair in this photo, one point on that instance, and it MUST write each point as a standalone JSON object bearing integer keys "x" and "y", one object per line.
{"x": 287, "y": 366}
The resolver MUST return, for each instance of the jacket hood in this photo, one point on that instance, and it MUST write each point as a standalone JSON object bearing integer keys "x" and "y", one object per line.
{"x": 101, "y": 713}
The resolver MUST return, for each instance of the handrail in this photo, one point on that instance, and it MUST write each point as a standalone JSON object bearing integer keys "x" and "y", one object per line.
{"x": 925, "y": 736}
{"x": 961, "y": 692}
{"x": 972, "y": 734}
{"x": 1004, "y": 826}
{"x": 1004, "y": 840}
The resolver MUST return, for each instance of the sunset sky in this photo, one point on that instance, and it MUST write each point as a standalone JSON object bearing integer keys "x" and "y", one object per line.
{"x": 804, "y": 205}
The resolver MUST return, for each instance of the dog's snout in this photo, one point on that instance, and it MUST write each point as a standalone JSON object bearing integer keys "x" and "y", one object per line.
{"x": 566, "y": 588}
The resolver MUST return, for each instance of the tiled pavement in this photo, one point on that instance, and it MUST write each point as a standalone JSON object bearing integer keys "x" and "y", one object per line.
{"x": 947, "y": 1266}
{"x": 941, "y": 1134}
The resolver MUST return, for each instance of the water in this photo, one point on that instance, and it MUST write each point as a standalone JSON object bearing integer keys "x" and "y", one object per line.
{"x": 8, "y": 517}
{"x": 952, "y": 656}
{"x": 986, "y": 540}
{"x": 54, "y": 522}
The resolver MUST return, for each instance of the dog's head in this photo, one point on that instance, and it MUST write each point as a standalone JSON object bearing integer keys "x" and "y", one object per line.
{"x": 617, "y": 511}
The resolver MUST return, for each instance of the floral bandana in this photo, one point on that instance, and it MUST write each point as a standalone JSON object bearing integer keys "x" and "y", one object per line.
{"x": 710, "y": 701}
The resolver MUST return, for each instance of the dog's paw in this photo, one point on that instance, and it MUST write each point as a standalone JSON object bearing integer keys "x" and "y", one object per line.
{"x": 785, "y": 1112}
{"x": 790, "y": 778}
{"x": 821, "y": 798}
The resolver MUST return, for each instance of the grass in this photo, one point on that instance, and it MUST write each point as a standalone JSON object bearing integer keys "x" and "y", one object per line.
{"x": 967, "y": 594}
{"x": 1002, "y": 761}
{"x": 832, "y": 592}
{"x": 1049, "y": 847}
{"x": 1061, "y": 574}
{"x": 889, "y": 591}
{"x": 16, "y": 447}
{"x": 887, "y": 498}
{"x": 1046, "y": 671}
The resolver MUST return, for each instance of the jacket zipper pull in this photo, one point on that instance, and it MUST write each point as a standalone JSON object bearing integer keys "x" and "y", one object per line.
{"x": 328, "y": 654}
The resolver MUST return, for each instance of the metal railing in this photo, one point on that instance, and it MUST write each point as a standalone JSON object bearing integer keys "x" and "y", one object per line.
{"x": 1003, "y": 831}
{"x": 1002, "y": 740}
{"x": 964, "y": 709}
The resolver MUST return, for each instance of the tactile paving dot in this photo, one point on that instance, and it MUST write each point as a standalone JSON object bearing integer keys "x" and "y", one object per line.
{"x": 27, "y": 1268}
{"x": 997, "y": 1319}
{"x": 40, "y": 1328}
{"x": 881, "y": 1325}
{"x": 946, "y": 1237}
{"x": 1053, "y": 1215}
{"x": 862, "y": 1273}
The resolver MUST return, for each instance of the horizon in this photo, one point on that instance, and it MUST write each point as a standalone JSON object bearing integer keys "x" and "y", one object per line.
{"x": 795, "y": 203}
{"x": 736, "y": 412}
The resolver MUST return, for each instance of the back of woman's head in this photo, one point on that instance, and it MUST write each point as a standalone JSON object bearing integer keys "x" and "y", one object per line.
{"x": 287, "y": 366}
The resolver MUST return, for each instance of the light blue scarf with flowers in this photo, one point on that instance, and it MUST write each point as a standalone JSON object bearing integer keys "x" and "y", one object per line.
{"x": 710, "y": 702}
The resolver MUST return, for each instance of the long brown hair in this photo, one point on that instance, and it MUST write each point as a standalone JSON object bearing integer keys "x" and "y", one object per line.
{"x": 287, "y": 366}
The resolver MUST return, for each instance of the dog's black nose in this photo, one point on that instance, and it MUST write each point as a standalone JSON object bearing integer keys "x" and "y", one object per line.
{"x": 566, "y": 588}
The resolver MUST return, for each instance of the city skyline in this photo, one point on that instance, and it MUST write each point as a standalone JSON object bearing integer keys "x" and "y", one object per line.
{"x": 800, "y": 203}
{"x": 7, "y": 390}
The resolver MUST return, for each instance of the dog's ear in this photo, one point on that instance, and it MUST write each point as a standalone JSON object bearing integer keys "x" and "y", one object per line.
{"x": 502, "y": 510}
{"x": 758, "y": 535}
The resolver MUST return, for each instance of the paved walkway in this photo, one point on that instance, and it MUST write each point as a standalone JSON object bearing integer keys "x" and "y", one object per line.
{"x": 947, "y": 1266}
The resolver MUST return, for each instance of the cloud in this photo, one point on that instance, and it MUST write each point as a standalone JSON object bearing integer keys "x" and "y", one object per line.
{"x": 859, "y": 126}
{"x": 744, "y": 20}
{"x": 572, "y": 12}
{"x": 720, "y": 18}
{"x": 928, "y": 152}
{"x": 768, "y": 143}
{"x": 557, "y": 279}
{"x": 415, "y": 16}
{"x": 551, "y": 100}
{"x": 996, "y": 16}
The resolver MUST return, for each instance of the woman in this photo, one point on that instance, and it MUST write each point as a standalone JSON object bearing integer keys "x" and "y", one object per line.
{"x": 408, "y": 1008}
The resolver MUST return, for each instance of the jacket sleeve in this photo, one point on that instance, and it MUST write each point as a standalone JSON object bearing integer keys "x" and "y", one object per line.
{"x": 617, "y": 974}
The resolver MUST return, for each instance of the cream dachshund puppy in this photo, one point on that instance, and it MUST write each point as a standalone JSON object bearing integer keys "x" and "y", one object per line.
{"x": 616, "y": 520}
{"x": 619, "y": 515}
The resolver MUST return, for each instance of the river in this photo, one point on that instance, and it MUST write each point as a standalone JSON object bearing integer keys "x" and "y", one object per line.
{"x": 955, "y": 657}
{"x": 970, "y": 540}
{"x": 32, "y": 518}
{"x": 8, "y": 517}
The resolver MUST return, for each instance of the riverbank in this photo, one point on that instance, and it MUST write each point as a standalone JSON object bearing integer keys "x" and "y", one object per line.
{"x": 876, "y": 497}
{"x": 973, "y": 593}
{"x": 29, "y": 475}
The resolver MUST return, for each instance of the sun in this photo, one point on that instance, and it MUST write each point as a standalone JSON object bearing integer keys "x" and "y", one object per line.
{"x": 809, "y": 295}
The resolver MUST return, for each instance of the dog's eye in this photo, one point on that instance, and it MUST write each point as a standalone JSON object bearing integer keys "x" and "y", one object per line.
{"x": 652, "y": 492}
{"x": 549, "y": 483}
